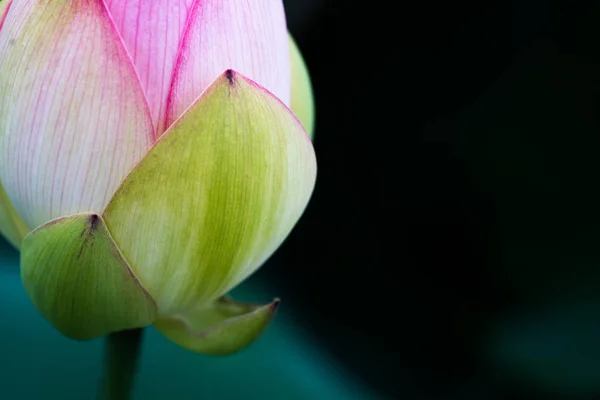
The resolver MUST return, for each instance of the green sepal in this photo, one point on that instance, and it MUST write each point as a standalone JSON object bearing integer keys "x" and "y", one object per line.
{"x": 302, "y": 102}
{"x": 221, "y": 328}
{"x": 216, "y": 195}
{"x": 77, "y": 278}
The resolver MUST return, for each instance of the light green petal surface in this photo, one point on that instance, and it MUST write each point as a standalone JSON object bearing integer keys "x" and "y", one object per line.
{"x": 11, "y": 225}
{"x": 302, "y": 103}
{"x": 77, "y": 279}
{"x": 223, "y": 327}
{"x": 215, "y": 197}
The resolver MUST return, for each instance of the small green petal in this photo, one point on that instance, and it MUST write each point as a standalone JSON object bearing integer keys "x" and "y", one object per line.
{"x": 302, "y": 103}
{"x": 77, "y": 278}
{"x": 215, "y": 197}
{"x": 12, "y": 226}
{"x": 222, "y": 328}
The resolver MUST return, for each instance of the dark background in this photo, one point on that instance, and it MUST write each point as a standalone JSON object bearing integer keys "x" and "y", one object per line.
{"x": 451, "y": 248}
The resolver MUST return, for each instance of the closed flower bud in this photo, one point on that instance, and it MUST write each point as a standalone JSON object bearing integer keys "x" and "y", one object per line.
{"x": 149, "y": 161}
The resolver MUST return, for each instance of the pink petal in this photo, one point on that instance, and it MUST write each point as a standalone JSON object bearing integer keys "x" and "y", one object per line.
{"x": 73, "y": 117}
{"x": 249, "y": 36}
{"x": 152, "y": 30}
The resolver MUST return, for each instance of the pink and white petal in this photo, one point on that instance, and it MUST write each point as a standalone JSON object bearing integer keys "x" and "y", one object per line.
{"x": 4, "y": 7}
{"x": 73, "y": 117}
{"x": 152, "y": 32}
{"x": 249, "y": 36}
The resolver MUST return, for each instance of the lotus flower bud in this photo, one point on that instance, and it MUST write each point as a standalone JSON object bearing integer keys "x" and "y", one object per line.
{"x": 149, "y": 161}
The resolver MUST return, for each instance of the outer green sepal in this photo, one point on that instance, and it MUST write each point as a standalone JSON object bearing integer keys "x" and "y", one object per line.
{"x": 302, "y": 102}
{"x": 77, "y": 278}
{"x": 215, "y": 196}
{"x": 221, "y": 328}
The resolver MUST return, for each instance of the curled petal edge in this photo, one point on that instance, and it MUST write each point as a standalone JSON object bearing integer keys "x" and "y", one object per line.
{"x": 221, "y": 328}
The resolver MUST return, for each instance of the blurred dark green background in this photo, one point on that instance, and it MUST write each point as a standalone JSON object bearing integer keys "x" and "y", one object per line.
{"x": 455, "y": 230}
{"x": 451, "y": 249}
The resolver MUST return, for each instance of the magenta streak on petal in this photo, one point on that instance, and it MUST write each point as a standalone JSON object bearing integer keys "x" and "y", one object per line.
{"x": 184, "y": 46}
{"x": 117, "y": 35}
{"x": 73, "y": 116}
{"x": 152, "y": 31}
{"x": 3, "y": 16}
{"x": 248, "y": 36}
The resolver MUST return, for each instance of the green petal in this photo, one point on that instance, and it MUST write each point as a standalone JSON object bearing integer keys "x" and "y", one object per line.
{"x": 215, "y": 197}
{"x": 224, "y": 327}
{"x": 77, "y": 278}
{"x": 12, "y": 226}
{"x": 302, "y": 103}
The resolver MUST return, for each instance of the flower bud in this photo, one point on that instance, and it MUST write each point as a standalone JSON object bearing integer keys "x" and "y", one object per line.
{"x": 147, "y": 168}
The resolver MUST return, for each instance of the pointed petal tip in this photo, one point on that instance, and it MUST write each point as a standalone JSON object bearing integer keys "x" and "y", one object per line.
{"x": 78, "y": 280}
{"x": 275, "y": 304}
{"x": 230, "y": 75}
{"x": 152, "y": 32}
{"x": 227, "y": 301}
{"x": 234, "y": 79}
{"x": 248, "y": 36}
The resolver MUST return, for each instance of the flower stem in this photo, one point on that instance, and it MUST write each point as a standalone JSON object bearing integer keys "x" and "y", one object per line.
{"x": 121, "y": 355}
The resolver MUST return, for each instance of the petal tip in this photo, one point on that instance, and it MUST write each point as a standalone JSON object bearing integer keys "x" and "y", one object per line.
{"x": 76, "y": 277}
{"x": 274, "y": 306}
{"x": 230, "y": 75}
{"x": 233, "y": 79}
{"x": 93, "y": 221}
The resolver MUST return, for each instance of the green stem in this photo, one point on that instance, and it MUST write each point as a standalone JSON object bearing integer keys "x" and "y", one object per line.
{"x": 122, "y": 351}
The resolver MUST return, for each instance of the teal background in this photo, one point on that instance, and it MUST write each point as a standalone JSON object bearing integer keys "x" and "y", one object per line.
{"x": 38, "y": 363}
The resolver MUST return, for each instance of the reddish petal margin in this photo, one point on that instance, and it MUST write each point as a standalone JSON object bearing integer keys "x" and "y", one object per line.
{"x": 152, "y": 32}
{"x": 73, "y": 117}
{"x": 249, "y": 36}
